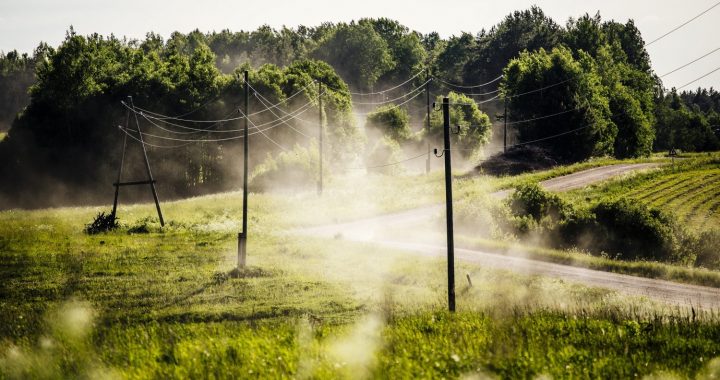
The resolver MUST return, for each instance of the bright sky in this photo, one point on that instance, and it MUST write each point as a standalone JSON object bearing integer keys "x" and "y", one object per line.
{"x": 23, "y": 23}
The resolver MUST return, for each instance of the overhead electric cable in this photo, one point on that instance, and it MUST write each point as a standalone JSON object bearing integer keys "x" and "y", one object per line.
{"x": 539, "y": 89}
{"x": 207, "y": 129}
{"x": 388, "y": 164}
{"x": 260, "y": 99}
{"x": 483, "y": 93}
{"x": 383, "y": 91}
{"x": 152, "y": 145}
{"x": 689, "y": 63}
{"x": 266, "y": 136}
{"x": 548, "y": 137}
{"x": 545, "y": 116}
{"x": 682, "y": 25}
{"x": 394, "y": 106}
{"x": 697, "y": 79}
{"x": 474, "y": 86}
{"x": 420, "y": 88}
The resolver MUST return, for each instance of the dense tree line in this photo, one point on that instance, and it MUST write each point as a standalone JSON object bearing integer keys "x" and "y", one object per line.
{"x": 595, "y": 76}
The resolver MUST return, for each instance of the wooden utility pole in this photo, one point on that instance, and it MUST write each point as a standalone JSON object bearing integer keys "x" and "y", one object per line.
{"x": 427, "y": 135}
{"x": 122, "y": 162}
{"x": 242, "y": 236}
{"x": 150, "y": 181}
{"x": 505, "y": 127}
{"x": 448, "y": 205}
{"x": 320, "y": 139}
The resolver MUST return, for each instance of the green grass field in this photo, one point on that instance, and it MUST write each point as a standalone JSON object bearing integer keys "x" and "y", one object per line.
{"x": 166, "y": 303}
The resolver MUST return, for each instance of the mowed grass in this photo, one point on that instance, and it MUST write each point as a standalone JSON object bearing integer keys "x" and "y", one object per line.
{"x": 166, "y": 303}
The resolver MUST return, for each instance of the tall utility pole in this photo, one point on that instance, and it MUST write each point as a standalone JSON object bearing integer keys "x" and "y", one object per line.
{"x": 320, "y": 139}
{"x": 242, "y": 237}
{"x": 448, "y": 205}
{"x": 427, "y": 135}
{"x": 505, "y": 128}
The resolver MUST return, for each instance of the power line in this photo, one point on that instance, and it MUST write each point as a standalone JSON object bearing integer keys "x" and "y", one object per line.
{"x": 290, "y": 114}
{"x": 395, "y": 106}
{"x": 682, "y": 25}
{"x": 386, "y": 165}
{"x": 482, "y": 94}
{"x": 549, "y": 137}
{"x": 383, "y": 91}
{"x": 689, "y": 63}
{"x": 545, "y": 116}
{"x": 152, "y": 145}
{"x": 260, "y": 99}
{"x": 539, "y": 89}
{"x": 474, "y": 86}
{"x": 267, "y": 137}
{"x": 697, "y": 79}
{"x": 420, "y": 88}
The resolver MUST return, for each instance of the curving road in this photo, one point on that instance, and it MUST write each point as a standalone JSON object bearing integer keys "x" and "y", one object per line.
{"x": 404, "y": 230}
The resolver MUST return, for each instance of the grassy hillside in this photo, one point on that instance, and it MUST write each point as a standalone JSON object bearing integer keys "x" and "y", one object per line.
{"x": 689, "y": 190}
{"x": 151, "y": 302}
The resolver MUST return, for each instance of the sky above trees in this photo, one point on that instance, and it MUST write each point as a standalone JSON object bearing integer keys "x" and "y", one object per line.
{"x": 24, "y": 23}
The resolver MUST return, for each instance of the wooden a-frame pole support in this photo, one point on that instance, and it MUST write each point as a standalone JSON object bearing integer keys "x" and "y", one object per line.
{"x": 150, "y": 181}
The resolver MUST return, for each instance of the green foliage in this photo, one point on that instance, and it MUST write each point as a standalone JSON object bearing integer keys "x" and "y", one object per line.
{"x": 357, "y": 52}
{"x": 634, "y": 231}
{"x": 585, "y": 122}
{"x": 67, "y": 137}
{"x": 392, "y": 121}
{"x": 102, "y": 223}
{"x": 405, "y": 48}
{"x": 475, "y": 125}
{"x": 295, "y": 169}
{"x": 528, "y": 30}
{"x": 531, "y": 200}
{"x": 708, "y": 255}
{"x": 682, "y": 127}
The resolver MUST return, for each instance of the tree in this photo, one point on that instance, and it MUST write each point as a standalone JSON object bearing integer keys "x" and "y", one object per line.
{"x": 520, "y": 31}
{"x": 406, "y": 48}
{"x": 456, "y": 54}
{"x": 358, "y": 53}
{"x": 570, "y": 115}
{"x": 475, "y": 126}
{"x": 392, "y": 121}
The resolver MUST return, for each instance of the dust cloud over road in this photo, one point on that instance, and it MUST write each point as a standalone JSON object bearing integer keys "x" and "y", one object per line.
{"x": 387, "y": 231}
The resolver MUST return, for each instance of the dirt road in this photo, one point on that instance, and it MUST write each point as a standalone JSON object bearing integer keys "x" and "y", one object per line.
{"x": 376, "y": 230}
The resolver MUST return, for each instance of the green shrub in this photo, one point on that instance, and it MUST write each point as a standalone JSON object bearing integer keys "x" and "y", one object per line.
{"x": 634, "y": 231}
{"x": 708, "y": 250}
{"x": 393, "y": 121}
{"x": 531, "y": 200}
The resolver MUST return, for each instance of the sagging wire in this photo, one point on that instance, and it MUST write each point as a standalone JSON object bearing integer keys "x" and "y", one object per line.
{"x": 383, "y": 91}
{"x": 473, "y": 86}
{"x": 697, "y": 79}
{"x": 419, "y": 88}
{"x": 689, "y": 63}
{"x": 395, "y": 106}
{"x": 266, "y": 136}
{"x": 386, "y": 165}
